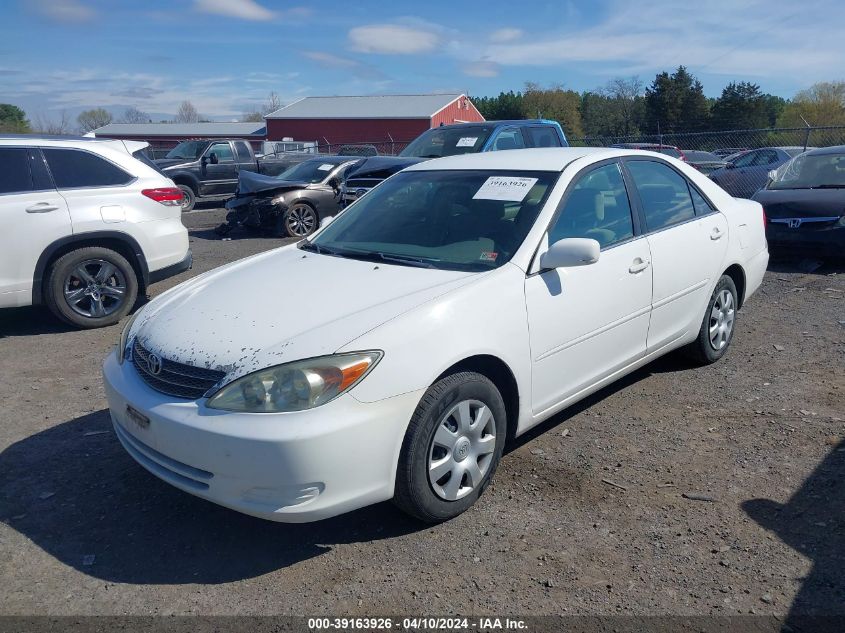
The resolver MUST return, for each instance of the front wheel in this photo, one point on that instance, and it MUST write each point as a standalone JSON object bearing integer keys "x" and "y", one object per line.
{"x": 300, "y": 220}
{"x": 91, "y": 287}
{"x": 717, "y": 327}
{"x": 452, "y": 447}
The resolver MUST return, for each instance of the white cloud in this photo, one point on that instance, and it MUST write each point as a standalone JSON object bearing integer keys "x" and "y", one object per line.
{"x": 242, "y": 9}
{"x": 393, "y": 39}
{"x": 481, "y": 68}
{"x": 64, "y": 11}
{"x": 739, "y": 38}
{"x": 506, "y": 35}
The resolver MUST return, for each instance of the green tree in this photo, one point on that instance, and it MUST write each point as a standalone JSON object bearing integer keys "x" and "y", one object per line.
{"x": 556, "y": 104}
{"x": 507, "y": 105}
{"x": 92, "y": 119}
{"x": 13, "y": 120}
{"x": 740, "y": 107}
{"x": 774, "y": 108}
{"x": 676, "y": 103}
{"x": 821, "y": 104}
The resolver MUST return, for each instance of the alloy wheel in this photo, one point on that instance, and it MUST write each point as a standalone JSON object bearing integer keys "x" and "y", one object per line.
{"x": 95, "y": 288}
{"x": 301, "y": 220}
{"x": 461, "y": 450}
{"x": 722, "y": 320}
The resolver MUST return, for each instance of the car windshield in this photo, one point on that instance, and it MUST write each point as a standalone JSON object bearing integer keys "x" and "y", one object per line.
{"x": 451, "y": 220}
{"x": 311, "y": 171}
{"x": 811, "y": 171}
{"x": 448, "y": 141}
{"x": 188, "y": 149}
{"x": 701, "y": 156}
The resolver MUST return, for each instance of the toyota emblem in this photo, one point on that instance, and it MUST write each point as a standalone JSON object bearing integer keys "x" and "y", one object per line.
{"x": 154, "y": 364}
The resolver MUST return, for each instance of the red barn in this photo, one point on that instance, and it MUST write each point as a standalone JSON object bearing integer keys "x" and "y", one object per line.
{"x": 390, "y": 121}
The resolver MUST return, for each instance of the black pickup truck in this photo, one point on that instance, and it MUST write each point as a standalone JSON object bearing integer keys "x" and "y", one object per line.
{"x": 210, "y": 169}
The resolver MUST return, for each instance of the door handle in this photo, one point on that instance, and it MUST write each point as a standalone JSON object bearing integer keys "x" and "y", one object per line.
{"x": 716, "y": 233}
{"x": 638, "y": 266}
{"x": 41, "y": 207}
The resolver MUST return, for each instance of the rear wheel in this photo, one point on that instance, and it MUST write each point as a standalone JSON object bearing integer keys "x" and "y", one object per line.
{"x": 452, "y": 447}
{"x": 717, "y": 327}
{"x": 91, "y": 287}
{"x": 189, "y": 198}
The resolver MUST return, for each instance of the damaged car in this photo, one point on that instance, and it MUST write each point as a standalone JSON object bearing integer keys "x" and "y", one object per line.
{"x": 291, "y": 204}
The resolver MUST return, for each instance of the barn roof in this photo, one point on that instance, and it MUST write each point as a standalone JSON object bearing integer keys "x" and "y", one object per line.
{"x": 146, "y": 130}
{"x": 366, "y": 107}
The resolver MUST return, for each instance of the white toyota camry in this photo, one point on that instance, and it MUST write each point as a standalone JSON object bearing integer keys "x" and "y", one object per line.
{"x": 455, "y": 306}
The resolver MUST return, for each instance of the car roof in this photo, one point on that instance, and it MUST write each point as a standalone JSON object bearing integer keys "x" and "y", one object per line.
{"x": 516, "y": 122}
{"x": 46, "y": 140}
{"x": 545, "y": 159}
{"x": 833, "y": 149}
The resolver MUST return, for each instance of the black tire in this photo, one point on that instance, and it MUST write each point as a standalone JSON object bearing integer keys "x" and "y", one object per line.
{"x": 414, "y": 493}
{"x": 702, "y": 350}
{"x": 64, "y": 275}
{"x": 298, "y": 213}
{"x": 190, "y": 198}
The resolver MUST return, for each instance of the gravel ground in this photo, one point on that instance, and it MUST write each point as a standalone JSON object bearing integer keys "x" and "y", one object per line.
{"x": 680, "y": 490}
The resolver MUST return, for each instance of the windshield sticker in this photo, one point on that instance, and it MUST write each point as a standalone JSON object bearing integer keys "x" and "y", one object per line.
{"x": 466, "y": 141}
{"x": 487, "y": 256}
{"x": 326, "y": 167}
{"x": 507, "y": 188}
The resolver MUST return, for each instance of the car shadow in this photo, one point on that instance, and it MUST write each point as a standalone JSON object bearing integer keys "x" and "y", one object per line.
{"x": 75, "y": 492}
{"x": 812, "y": 522}
{"x": 37, "y": 320}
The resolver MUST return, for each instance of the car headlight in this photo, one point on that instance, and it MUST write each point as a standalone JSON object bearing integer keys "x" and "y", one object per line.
{"x": 124, "y": 338}
{"x": 296, "y": 386}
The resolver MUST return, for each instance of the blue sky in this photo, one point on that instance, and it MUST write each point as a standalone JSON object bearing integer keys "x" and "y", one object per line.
{"x": 226, "y": 56}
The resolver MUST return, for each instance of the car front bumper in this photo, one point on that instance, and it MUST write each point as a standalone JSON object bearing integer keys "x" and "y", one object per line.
{"x": 288, "y": 467}
{"x": 826, "y": 241}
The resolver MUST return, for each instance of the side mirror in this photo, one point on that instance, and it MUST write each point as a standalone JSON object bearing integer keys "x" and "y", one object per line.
{"x": 730, "y": 166}
{"x": 326, "y": 220}
{"x": 572, "y": 251}
{"x": 212, "y": 158}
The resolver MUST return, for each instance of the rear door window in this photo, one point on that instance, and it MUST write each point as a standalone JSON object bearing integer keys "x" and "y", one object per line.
{"x": 73, "y": 168}
{"x": 15, "y": 174}
{"x": 664, "y": 194}
{"x": 243, "y": 152}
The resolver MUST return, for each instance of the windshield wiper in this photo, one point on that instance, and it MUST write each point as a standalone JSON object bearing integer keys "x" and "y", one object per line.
{"x": 406, "y": 260}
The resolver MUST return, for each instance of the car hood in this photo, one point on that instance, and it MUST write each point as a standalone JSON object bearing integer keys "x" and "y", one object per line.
{"x": 165, "y": 163}
{"x": 282, "y": 306}
{"x": 382, "y": 166}
{"x": 251, "y": 183}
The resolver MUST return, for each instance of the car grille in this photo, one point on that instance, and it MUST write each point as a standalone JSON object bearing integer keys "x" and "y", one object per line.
{"x": 172, "y": 378}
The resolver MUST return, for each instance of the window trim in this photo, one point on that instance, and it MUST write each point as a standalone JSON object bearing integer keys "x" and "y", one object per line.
{"x": 208, "y": 151}
{"x": 635, "y": 216}
{"x": 132, "y": 178}
{"x": 641, "y": 211}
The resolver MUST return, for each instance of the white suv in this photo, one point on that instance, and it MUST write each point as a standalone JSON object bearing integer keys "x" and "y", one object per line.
{"x": 85, "y": 224}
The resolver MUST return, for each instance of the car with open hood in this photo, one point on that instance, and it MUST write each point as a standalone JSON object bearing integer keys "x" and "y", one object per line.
{"x": 293, "y": 203}
{"x": 455, "y": 306}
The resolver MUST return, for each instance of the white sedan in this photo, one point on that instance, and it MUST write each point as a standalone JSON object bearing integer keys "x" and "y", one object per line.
{"x": 453, "y": 307}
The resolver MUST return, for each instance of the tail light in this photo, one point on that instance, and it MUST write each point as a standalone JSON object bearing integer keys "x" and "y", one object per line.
{"x": 765, "y": 219}
{"x": 168, "y": 196}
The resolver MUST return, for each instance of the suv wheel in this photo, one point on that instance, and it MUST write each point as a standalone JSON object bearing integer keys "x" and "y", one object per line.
{"x": 91, "y": 287}
{"x": 452, "y": 447}
{"x": 189, "y": 198}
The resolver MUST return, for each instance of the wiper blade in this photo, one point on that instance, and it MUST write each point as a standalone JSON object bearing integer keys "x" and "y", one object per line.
{"x": 408, "y": 261}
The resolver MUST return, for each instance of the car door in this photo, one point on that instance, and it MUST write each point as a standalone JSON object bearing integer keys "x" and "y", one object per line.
{"x": 32, "y": 216}
{"x": 222, "y": 177}
{"x": 732, "y": 178}
{"x": 688, "y": 239}
{"x": 587, "y": 322}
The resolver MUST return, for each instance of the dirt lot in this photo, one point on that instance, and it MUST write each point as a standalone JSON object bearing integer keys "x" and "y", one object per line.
{"x": 585, "y": 516}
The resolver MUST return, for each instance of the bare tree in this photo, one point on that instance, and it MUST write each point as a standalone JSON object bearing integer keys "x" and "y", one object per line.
{"x": 92, "y": 119}
{"x": 272, "y": 104}
{"x": 44, "y": 125}
{"x": 187, "y": 113}
{"x": 134, "y": 115}
{"x": 626, "y": 99}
